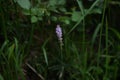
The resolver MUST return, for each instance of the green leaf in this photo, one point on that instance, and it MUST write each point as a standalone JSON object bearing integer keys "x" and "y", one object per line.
{"x": 67, "y": 21}
{"x": 62, "y": 9}
{"x": 76, "y": 16}
{"x": 40, "y": 11}
{"x": 56, "y": 2}
{"x": 15, "y": 1}
{"x": 1, "y": 78}
{"x": 26, "y": 12}
{"x": 24, "y": 3}
{"x": 60, "y": 2}
{"x": 53, "y": 18}
{"x": 34, "y": 11}
{"x": 34, "y": 19}
{"x": 64, "y": 19}
{"x": 52, "y": 2}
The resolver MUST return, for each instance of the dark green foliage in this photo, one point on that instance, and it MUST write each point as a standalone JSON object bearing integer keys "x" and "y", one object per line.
{"x": 30, "y": 50}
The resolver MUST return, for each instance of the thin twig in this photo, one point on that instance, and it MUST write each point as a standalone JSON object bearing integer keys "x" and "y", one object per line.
{"x": 39, "y": 75}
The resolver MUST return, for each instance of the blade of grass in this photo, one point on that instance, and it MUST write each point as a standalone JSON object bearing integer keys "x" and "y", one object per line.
{"x": 106, "y": 53}
{"x": 44, "y": 51}
{"x": 95, "y": 34}
{"x": 4, "y": 45}
{"x": 100, "y": 38}
{"x": 81, "y": 6}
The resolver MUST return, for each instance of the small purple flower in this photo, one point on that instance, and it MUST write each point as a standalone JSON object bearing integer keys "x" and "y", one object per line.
{"x": 59, "y": 32}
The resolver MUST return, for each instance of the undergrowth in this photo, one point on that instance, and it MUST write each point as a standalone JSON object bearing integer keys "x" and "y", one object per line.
{"x": 86, "y": 46}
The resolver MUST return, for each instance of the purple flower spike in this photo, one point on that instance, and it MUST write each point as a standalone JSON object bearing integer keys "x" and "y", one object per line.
{"x": 59, "y": 32}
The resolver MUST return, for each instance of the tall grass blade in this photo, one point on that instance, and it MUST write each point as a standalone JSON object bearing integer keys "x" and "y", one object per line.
{"x": 95, "y": 34}
{"x": 44, "y": 51}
